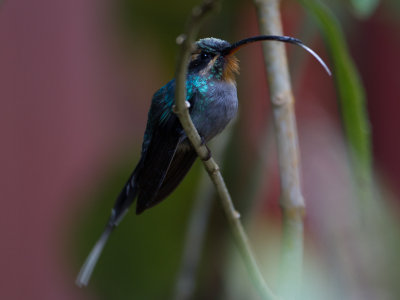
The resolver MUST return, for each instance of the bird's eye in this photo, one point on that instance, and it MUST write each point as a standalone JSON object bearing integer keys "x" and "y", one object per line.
{"x": 204, "y": 55}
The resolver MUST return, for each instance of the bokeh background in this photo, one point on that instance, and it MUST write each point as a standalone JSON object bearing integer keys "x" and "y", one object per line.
{"x": 76, "y": 80}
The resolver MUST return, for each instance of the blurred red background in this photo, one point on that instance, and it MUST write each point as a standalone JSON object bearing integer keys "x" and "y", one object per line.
{"x": 73, "y": 103}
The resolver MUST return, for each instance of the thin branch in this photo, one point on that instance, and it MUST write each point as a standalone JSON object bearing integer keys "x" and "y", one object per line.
{"x": 292, "y": 201}
{"x": 197, "y": 227}
{"x": 194, "y": 240}
{"x": 198, "y": 15}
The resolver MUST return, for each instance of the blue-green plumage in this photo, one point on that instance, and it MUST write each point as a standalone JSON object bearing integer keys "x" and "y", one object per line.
{"x": 166, "y": 153}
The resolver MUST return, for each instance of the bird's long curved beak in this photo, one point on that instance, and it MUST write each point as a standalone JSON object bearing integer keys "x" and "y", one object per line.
{"x": 286, "y": 39}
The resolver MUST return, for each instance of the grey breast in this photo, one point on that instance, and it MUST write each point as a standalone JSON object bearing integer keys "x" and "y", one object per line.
{"x": 222, "y": 105}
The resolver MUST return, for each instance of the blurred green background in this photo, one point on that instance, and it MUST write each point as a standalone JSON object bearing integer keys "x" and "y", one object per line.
{"x": 75, "y": 85}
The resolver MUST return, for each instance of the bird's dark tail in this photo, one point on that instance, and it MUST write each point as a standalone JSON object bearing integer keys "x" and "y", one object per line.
{"x": 119, "y": 210}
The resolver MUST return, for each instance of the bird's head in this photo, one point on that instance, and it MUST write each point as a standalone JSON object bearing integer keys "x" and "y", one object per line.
{"x": 214, "y": 58}
{"x": 208, "y": 59}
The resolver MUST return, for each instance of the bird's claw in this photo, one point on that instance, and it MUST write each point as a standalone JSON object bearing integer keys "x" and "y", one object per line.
{"x": 208, "y": 156}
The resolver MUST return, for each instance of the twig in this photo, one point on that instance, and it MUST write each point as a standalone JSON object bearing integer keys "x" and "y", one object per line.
{"x": 186, "y": 41}
{"x": 292, "y": 202}
{"x": 197, "y": 227}
{"x": 194, "y": 240}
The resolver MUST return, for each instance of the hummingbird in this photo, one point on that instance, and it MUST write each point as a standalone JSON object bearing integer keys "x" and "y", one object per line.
{"x": 167, "y": 155}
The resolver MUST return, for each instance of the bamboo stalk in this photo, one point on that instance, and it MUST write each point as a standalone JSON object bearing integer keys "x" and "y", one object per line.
{"x": 292, "y": 201}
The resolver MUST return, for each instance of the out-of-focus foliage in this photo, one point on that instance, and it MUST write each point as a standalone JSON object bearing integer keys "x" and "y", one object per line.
{"x": 167, "y": 20}
{"x": 76, "y": 81}
{"x": 364, "y": 8}
{"x": 143, "y": 255}
{"x": 346, "y": 252}
{"x": 350, "y": 91}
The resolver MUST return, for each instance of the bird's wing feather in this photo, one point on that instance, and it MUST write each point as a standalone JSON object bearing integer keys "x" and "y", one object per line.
{"x": 167, "y": 156}
{"x": 156, "y": 161}
{"x": 180, "y": 165}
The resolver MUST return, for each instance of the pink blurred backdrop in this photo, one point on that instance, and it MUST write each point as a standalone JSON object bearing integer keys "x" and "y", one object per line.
{"x": 66, "y": 111}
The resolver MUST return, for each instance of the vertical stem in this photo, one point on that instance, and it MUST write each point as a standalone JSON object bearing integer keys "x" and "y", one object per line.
{"x": 197, "y": 227}
{"x": 194, "y": 240}
{"x": 198, "y": 15}
{"x": 292, "y": 202}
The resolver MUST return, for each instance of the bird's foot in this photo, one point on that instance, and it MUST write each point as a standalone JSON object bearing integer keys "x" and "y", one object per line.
{"x": 208, "y": 156}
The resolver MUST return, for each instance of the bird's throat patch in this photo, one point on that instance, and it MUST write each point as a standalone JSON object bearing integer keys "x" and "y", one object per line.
{"x": 231, "y": 68}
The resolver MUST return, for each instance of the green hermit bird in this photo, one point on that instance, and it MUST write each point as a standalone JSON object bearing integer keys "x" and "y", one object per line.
{"x": 167, "y": 154}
